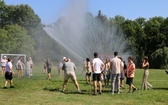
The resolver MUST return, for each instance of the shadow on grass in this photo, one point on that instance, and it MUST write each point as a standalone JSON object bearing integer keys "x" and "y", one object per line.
{"x": 51, "y": 90}
{"x": 160, "y": 88}
{"x": 83, "y": 92}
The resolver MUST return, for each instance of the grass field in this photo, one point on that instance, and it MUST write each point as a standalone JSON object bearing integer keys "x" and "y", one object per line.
{"x": 38, "y": 91}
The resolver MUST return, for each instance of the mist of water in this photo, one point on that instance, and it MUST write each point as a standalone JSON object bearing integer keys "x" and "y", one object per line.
{"x": 81, "y": 34}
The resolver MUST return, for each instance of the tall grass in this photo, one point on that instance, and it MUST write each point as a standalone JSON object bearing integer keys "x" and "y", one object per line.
{"x": 39, "y": 91}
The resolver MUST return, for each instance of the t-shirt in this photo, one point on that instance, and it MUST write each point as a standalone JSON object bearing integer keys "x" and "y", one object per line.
{"x": 60, "y": 65}
{"x": 130, "y": 70}
{"x": 116, "y": 65}
{"x": 97, "y": 64}
{"x": 8, "y": 66}
{"x": 3, "y": 62}
{"x": 28, "y": 65}
{"x": 88, "y": 67}
{"x": 19, "y": 65}
{"x": 69, "y": 66}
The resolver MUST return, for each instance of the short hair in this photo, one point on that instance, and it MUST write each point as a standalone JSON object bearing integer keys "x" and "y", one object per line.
{"x": 115, "y": 53}
{"x": 87, "y": 59}
{"x": 95, "y": 54}
{"x": 146, "y": 58}
{"x": 130, "y": 58}
{"x": 9, "y": 59}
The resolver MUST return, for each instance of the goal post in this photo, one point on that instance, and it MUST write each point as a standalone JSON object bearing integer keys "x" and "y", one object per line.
{"x": 15, "y": 55}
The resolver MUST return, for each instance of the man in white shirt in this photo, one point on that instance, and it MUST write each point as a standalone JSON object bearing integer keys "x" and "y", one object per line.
{"x": 97, "y": 67}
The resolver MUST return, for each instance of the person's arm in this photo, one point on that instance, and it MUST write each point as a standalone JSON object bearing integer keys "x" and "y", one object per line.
{"x": 111, "y": 65}
{"x": 144, "y": 64}
{"x": 103, "y": 67}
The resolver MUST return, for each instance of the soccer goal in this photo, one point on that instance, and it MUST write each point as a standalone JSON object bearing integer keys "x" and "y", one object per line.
{"x": 15, "y": 55}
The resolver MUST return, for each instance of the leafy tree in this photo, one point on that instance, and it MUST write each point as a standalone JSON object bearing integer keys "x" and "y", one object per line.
{"x": 16, "y": 40}
{"x": 154, "y": 38}
{"x": 159, "y": 58}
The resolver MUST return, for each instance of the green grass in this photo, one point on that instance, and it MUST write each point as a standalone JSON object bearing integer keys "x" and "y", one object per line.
{"x": 38, "y": 91}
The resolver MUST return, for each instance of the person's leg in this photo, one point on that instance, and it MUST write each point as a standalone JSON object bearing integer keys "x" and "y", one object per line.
{"x": 49, "y": 76}
{"x": 100, "y": 87}
{"x": 95, "y": 83}
{"x": 3, "y": 71}
{"x": 95, "y": 87}
{"x": 11, "y": 83}
{"x": 64, "y": 85}
{"x": 87, "y": 79}
{"x": 113, "y": 79}
{"x": 5, "y": 84}
{"x": 76, "y": 85}
{"x": 105, "y": 80}
{"x": 132, "y": 86}
{"x": 148, "y": 85}
{"x": 118, "y": 82}
{"x": 6, "y": 81}
{"x": 20, "y": 73}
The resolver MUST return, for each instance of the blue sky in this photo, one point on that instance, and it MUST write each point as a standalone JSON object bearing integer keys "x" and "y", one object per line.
{"x": 48, "y": 10}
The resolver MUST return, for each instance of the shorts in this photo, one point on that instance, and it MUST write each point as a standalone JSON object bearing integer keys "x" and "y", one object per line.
{"x": 49, "y": 70}
{"x": 129, "y": 81}
{"x": 97, "y": 77}
{"x": 3, "y": 67}
{"x": 69, "y": 74}
{"x": 122, "y": 75}
{"x": 8, "y": 76}
{"x": 88, "y": 74}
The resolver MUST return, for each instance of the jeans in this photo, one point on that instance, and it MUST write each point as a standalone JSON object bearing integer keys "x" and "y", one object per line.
{"x": 115, "y": 82}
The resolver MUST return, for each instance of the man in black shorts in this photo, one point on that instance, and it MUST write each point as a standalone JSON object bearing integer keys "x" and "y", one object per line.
{"x": 97, "y": 67}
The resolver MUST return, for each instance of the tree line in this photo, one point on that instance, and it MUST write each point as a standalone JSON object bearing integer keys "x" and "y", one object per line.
{"x": 21, "y": 31}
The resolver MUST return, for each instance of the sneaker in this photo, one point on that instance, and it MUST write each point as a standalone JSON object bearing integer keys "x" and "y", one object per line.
{"x": 134, "y": 90}
{"x": 4, "y": 87}
{"x": 94, "y": 94}
{"x": 79, "y": 91}
{"x": 100, "y": 93}
{"x": 63, "y": 91}
{"x": 112, "y": 93}
{"x": 11, "y": 86}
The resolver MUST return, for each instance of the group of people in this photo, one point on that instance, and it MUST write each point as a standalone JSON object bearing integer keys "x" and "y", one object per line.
{"x": 114, "y": 68}
{"x": 27, "y": 66}
{"x": 7, "y": 69}
{"x": 117, "y": 70}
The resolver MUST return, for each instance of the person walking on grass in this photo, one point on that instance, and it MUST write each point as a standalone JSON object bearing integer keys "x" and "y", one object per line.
{"x": 31, "y": 66}
{"x": 106, "y": 73}
{"x": 27, "y": 67}
{"x": 115, "y": 66}
{"x": 122, "y": 74}
{"x": 9, "y": 74}
{"x": 59, "y": 67}
{"x": 3, "y": 64}
{"x": 88, "y": 71}
{"x": 145, "y": 84}
{"x": 130, "y": 73}
{"x": 49, "y": 66}
{"x": 97, "y": 67}
{"x": 19, "y": 67}
{"x": 44, "y": 67}
{"x": 69, "y": 72}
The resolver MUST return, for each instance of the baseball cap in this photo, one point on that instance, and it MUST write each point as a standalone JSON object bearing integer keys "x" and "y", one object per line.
{"x": 64, "y": 58}
{"x": 4, "y": 57}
